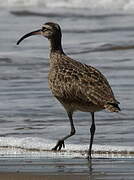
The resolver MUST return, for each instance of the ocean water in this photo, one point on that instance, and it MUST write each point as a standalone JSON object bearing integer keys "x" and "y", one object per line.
{"x": 98, "y": 33}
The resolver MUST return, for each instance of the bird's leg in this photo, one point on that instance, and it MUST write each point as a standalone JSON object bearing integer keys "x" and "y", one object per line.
{"x": 92, "y": 131}
{"x": 60, "y": 142}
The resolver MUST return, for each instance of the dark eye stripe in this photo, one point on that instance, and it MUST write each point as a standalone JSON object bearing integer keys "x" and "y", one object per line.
{"x": 46, "y": 28}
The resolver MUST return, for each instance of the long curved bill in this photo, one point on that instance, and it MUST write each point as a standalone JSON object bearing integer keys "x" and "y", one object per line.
{"x": 37, "y": 32}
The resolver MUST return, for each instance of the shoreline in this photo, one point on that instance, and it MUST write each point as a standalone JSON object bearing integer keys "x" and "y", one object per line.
{"x": 42, "y": 168}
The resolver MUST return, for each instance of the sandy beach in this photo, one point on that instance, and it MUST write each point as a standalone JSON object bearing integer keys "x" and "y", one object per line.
{"x": 24, "y": 176}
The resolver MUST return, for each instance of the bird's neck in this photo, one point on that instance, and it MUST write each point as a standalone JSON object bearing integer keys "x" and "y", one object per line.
{"x": 55, "y": 45}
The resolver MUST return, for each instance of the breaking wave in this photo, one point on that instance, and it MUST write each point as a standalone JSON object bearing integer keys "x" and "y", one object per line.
{"x": 39, "y": 146}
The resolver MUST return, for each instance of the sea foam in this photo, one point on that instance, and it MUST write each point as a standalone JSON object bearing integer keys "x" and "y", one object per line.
{"x": 42, "y": 147}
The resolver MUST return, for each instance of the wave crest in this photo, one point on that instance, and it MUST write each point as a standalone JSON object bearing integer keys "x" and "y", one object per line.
{"x": 92, "y": 4}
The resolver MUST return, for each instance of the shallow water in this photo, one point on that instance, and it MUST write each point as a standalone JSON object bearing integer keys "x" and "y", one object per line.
{"x": 30, "y": 117}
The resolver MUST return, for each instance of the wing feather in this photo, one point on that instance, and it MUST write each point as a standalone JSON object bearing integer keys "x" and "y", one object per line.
{"x": 72, "y": 80}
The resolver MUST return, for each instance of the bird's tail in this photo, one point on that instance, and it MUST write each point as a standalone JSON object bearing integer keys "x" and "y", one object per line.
{"x": 112, "y": 107}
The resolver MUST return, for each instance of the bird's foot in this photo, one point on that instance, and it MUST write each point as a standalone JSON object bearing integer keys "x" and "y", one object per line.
{"x": 89, "y": 155}
{"x": 59, "y": 145}
{"x": 89, "y": 158}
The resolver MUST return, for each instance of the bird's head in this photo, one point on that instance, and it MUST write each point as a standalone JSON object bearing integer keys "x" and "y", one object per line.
{"x": 49, "y": 30}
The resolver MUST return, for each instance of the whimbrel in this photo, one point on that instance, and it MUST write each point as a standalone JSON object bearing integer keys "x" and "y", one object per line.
{"x": 77, "y": 86}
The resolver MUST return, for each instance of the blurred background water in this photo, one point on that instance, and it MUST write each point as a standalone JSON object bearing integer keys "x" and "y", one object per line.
{"x": 98, "y": 33}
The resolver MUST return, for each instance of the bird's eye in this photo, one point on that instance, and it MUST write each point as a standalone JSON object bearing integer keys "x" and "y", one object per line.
{"x": 45, "y": 29}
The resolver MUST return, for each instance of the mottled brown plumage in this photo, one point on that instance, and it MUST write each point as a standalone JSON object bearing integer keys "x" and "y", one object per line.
{"x": 77, "y": 86}
{"x": 80, "y": 86}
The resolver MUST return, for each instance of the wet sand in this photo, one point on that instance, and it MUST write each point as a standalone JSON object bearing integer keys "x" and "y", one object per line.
{"x": 42, "y": 168}
{"x": 24, "y": 176}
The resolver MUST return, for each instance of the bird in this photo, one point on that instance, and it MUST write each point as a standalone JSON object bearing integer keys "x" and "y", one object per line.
{"x": 77, "y": 86}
